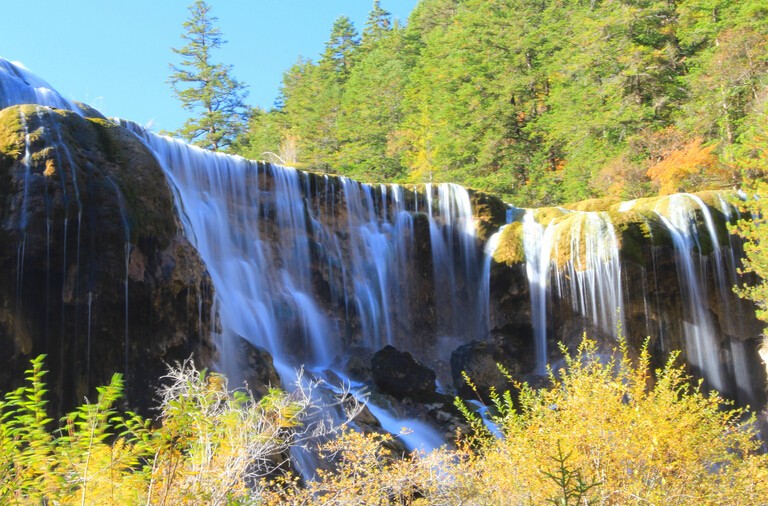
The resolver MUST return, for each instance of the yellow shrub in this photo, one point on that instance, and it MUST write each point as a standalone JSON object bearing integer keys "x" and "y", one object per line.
{"x": 667, "y": 444}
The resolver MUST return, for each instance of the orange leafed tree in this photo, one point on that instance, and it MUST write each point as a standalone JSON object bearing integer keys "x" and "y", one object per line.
{"x": 690, "y": 166}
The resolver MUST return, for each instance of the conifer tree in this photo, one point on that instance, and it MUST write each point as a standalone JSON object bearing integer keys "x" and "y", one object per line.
{"x": 205, "y": 88}
{"x": 378, "y": 24}
{"x": 340, "y": 48}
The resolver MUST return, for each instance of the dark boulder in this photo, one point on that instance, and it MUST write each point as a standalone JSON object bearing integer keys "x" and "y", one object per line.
{"x": 400, "y": 375}
{"x": 259, "y": 369}
{"x": 478, "y": 360}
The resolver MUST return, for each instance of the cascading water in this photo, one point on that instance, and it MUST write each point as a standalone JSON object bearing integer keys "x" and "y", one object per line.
{"x": 537, "y": 241}
{"x": 20, "y": 86}
{"x": 372, "y": 258}
{"x": 578, "y": 253}
{"x": 262, "y": 276}
{"x": 310, "y": 266}
{"x": 127, "y": 252}
{"x": 678, "y": 215}
{"x": 591, "y": 277}
{"x": 23, "y": 219}
{"x": 264, "y": 272}
{"x": 263, "y": 269}
{"x": 457, "y": 264}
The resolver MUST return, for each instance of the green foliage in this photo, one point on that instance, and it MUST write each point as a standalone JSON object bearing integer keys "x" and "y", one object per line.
{"x": 338, "y": 58}
{"x": 209, "y": 446}
{"x": 573, "y": 488}
{"x": 753, "y": 228}
{"x": 95, "y": 450}
{"x": 264, "y": 140}
{"x": 605, "y": 431}
{"x": 542, "y": 102}
{"x": 378, "y": 24}
{"x": 205, "y": 88}
{"x": 26, "y": 446}
{"x": 370, "y": 112}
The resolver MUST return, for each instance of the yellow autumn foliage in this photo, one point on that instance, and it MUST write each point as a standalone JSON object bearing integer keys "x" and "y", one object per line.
{"x": 644, "y": 438}
{"x": 607, "y": 430}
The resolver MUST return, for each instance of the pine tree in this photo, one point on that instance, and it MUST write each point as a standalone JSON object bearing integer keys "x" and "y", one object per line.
{"x": 371, "y": 111}
{"x": 378, "y": 24}
{"x": 207, "y": 88}
{"x": 339, "y": 50}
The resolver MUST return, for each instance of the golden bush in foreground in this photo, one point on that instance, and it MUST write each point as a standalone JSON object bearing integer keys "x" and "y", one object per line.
{"x": 606, "y": 431}
{"x": 211, "y": 448}
{"x": 669, "y": 443}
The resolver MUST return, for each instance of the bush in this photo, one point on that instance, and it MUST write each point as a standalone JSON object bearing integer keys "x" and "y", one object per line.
{"x": 210, "y": 447}
{"x": 607, "y": 431}
{"x": 643, "y": 438}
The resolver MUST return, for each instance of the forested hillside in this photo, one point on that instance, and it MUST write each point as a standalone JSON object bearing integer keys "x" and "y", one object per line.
{"x": 540, "y": 101}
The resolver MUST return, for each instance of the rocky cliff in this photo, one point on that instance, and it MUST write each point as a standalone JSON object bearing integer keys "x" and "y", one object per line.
{"x": 109, "y": 234}
{"x": 96, "y": 272}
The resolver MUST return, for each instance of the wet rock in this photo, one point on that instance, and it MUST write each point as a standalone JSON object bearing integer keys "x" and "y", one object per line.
{"x": 358, "y": 363}
{"x": 479, "y": 361}
{"x": 490, "y": 213}
{"x": 259, "y": 369}
{"x": 400, "y": 375}
{"x": 97, "y": 273}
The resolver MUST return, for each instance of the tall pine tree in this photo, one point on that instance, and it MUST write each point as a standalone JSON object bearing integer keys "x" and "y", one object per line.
{"x": 205, "y": 88}
{"x": 378, "y": 24}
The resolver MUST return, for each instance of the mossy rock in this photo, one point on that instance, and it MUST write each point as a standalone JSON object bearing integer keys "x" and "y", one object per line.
{"x": 95, "y": 144}
{"x": 11, "y": 148}
{"x": 490, "y": 215}
{"x": 64, "y": 207}
{"x": 651, "y": 207}
{"x": 510, "y": 250}
{"x": 638, "y": 230}
{"x": 488, "y": 208}
{"x": 602, "y": 204}
{"x": 546, "y": 215}
{"x": 88, "y": 111}
{"x": 11, "y": 133}
{"x": 141, "y": 181}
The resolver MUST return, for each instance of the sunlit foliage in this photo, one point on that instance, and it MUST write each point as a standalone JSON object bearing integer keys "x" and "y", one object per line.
{"x": 210, "y": 446}
{"x": 607, "y": 430}
{"x": 541, "y": 102}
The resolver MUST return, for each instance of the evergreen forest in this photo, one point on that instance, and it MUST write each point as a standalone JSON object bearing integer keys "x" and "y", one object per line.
{"x": 539, "y": 101}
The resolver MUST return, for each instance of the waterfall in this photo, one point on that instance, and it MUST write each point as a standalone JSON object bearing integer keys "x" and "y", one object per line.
{"x": 262, "y": 275}
{"x": 313, "y": 268}
{"x": 575, "y": 258}
{"x": 20, "y": 254}
{"x": 678, "y": 215}
{"x": 457, "y": 264}
{"x": 20, "y": 86}
{"x": 591, "y": 277}
{"x": 537, "y": 241}
{"x": 266, "y": 271}
{"x": 272, "y": 245}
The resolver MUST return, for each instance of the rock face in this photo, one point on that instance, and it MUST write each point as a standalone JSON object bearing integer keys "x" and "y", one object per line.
{"x": 659, "y": 268}
{"x": 480, "y": 361}
{"x": 96, "y": 273}
{"x": 259, "y": 369}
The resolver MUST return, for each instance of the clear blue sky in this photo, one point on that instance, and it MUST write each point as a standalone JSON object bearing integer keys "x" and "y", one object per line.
{"x": 114, "y": 54}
